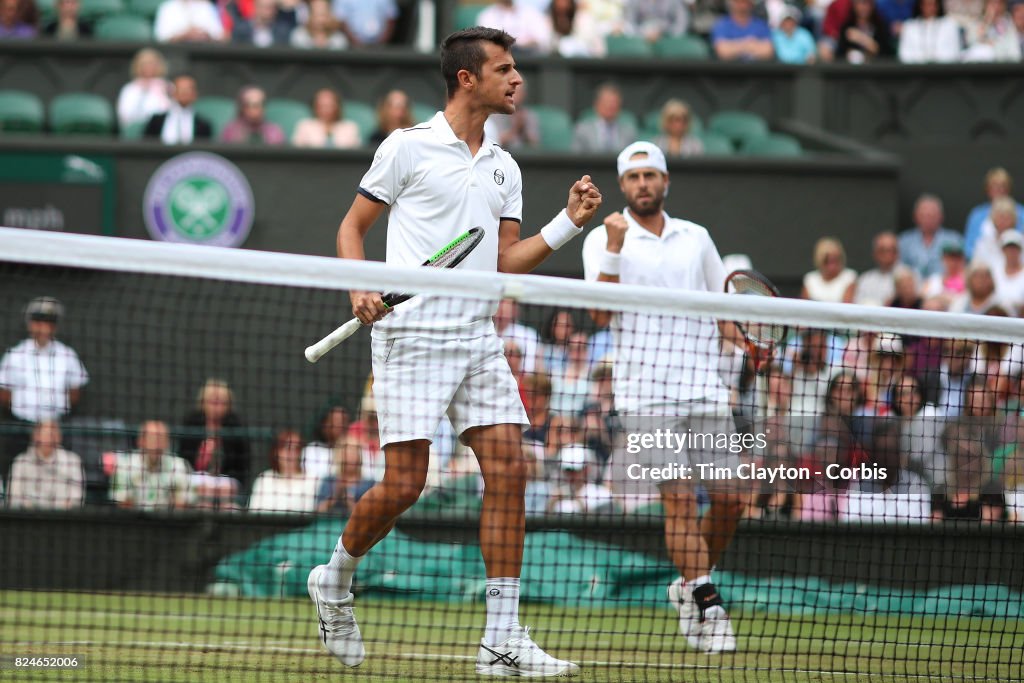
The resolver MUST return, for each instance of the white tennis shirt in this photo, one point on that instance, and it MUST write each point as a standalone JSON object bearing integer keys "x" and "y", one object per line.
{"x": 39, "y": 379}
{"x": 663, "y": 360}
{"x": 436, "y": 190}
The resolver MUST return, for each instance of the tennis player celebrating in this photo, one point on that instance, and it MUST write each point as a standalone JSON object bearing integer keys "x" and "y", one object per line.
{"x": 435, "y": 355}
{"x": 666, "y": 375}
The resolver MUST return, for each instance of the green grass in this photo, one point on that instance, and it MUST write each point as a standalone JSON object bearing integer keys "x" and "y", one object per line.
{"x": 132, "y": 637}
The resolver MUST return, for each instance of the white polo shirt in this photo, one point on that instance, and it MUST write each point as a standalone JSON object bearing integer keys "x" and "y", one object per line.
{"x": 39, "y": 379}
{"x": 436, "y": 190}
{"x": 663, "y": 360}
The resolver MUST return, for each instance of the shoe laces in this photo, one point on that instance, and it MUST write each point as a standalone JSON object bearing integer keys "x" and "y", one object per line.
{"x": 338, "y": 620}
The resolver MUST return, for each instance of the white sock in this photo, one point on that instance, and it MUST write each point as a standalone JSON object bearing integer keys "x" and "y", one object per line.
{"x": 700, "y": 581}
{"x": 336, "y": 582}
{"x": 502, "y": 609}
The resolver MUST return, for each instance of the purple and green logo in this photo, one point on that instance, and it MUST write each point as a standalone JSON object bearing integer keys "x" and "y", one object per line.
{"x": 199, "y": 198}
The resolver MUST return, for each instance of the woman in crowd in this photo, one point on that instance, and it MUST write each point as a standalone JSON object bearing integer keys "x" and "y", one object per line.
{"x": 981, "y": 292}
{"x": 921, "y": 425}
{"x": 394, "y": 111}
{"x": 570, "y": 386}
{"x": 865, "y": 36}
{"x": 320, "y": 31}
{"x": 555, "y": 335}
{"x": 327, "y": 128}
{"x": 215, "y": 447}
{"x": 831, "y": 281}
{"x": 284, "y": 487}
{"x": 900, "y": 496}
{"x": 930, "y": 36}
{"x": 319, "y": 455}
{"x": 675, "y": 139}
{"x": 574, "y": 31}
{"x": 18, "y": 19}
{"x": 148, "y": 92}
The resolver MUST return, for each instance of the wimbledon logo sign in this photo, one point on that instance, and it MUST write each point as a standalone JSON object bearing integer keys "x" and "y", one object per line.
{"x": 199, "y": 198}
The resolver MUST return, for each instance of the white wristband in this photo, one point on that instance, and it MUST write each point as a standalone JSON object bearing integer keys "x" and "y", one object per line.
{"x": 610, "y": 263}
{"x": 559, "y": 231}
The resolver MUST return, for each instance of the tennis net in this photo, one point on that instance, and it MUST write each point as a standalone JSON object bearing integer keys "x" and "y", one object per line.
{"x": 174, "y": 469}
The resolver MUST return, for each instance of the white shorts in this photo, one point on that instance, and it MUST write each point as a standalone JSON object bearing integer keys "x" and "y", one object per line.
{"x": 417, "y": 380}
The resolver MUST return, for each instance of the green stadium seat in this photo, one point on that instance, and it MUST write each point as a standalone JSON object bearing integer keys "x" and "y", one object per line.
{"x": 716, "y": 144}
{"x": 47, "y": 10}
{"x": 81, "y": 113}
{"x": 287, "y": 113}
{"x": 625, "y": 116}
{"x": 738, "y": 126}
{"x": 127, "y": 27}
{"x": 555, "y": 127}
{"x": 133, "y": 131}
{"x": 363, "y": 115}
{"x": 218, "y": 110}
{"x": 422, "y": 112}
{"x": 627, "y": 46}
{"x": 21, "y": 112}
{"x": 773, "y": 145}
{"x": 144, "y": 8}
{"x": 652, "y": 121}
{"x": 94, "y": 9}
{"x": 466, "y": 15}
{"x": 682, "y": 47}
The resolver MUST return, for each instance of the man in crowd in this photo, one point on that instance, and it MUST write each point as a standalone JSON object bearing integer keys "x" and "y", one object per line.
{"x": 921, "y": 245}
{"x": 180, "y": 125}
{"x": 152, "y": 478}
{"x": 46, "y": 477}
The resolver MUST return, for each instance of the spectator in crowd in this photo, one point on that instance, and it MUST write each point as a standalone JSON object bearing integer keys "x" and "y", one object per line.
{"x": 152, "y": 477}
{"x": 993, "y": 38}
{"x": 980, "y": 294}
{"x": 394, "y": 111}
{"x": 941, "y": 289}
{"x": 1002, "y": 217}
{"x": 578, "y": 493}
{"x": 366, "y": 22}
{"x": 188, "y": 21}
{"x": 284, "y": 487}
{"x": 215, "y": 447}
{"x": 741, "y": 36}
{"x": 921, "y": 245}
{"x": 250, "y": 125}
{"x": 18, "y": 19}
{"x": 320, "y": 30}
{"x": 1009, "y": 276}
{"x": 41, "y": 378}
{"x": 950, "y": 381}
{"x": 514, "y": 356}
{"x": 653, "y": 19}
{"x": 811, "y": 374}
{"x": 318, "y": 456}
{"x": 338, "y": 492}
{"x": 548, "y": 430}
{"x": 327, "y": 128}
{"x": 364, "y": 439}
{"x": 555, "y": 335}
{"x": 570, "y": 386}
{"x": 896, "y": 12}
{"x": 835, "y": 16}
{"x": 600, "y": 422}
{"x": 525, "y": 23}
{"x": 68, "y": 24}
{"x": 574, "y": 32}
{"x": 886, "y": 364}
{"x": 180, "y": 124}
{"x": 605, "y": 132}
{"x": 972, "y": 490}
{"x": 148, "y": 93}
{"x": 876, "y": 287}
{"x": 517, "y": 130}
{"x": 1017, "y": 15}
{"x": 509, "y": 329}
{"x": 920, "y": 427}
{"x": 865, "y": 35}
{"x": 831, "y": 281}
{"x": 675, "y": 139}
{"x": 270, "y": 25}
{"x": 793, "y": 43}
{"x": 900, "y": 496}
{"x": 930, "y": 36}
{"x": 998, "y": 183}
{"x": 46, "y": 477}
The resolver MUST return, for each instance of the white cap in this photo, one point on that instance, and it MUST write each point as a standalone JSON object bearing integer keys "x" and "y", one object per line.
{"x": 574, "y": 457}
{"x": 655, "y": 158}
{"x": 1011, "y": 237}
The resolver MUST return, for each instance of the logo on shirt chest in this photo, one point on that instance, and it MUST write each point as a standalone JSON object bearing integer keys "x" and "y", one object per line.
{"x": 499, "y": 177}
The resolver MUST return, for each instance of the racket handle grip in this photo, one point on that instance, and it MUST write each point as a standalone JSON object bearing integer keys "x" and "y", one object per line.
{"x": 317, "y": 351}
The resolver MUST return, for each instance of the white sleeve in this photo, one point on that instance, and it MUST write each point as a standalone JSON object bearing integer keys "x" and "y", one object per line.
{"x": 948, "y": 47}
{"x": 7, "y": 371}
{"x": 714, "y": 269}
{"x": 166, "y": 25}
{"x": 389, "y": 172}
{"x": 212, "y": 23}
{"x": 127, "y": 102}
{"x": 910, "y": 51}
{"x": 593, "y": 246}
{"x": 513, "y": 207}
{"x": 77, "y": 375}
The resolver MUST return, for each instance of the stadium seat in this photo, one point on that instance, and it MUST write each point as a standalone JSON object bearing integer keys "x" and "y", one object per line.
{"x": 218, "y": 110}
{"x": 466, "y": 15}
{"x": 422, "y": 112}
{"x": 627, "y": 46}
{"x": 716, "y": 144}
{"x": 625, "y": 115}
{"x": 738, "y": 126}
{"x": 81, "y": 113}
{"x": 773, "y": 144}
{"x": 20, "y": 112}
{"x": 555, "y": 127}
{"x": 652, "y": 121}
{"x": 127, "y": 27}
{"x": 682, "y": 47}
{"x": 94, "y": 9}
{"x": 133, "y": 131}
{"x": 47, "y": 10}
{"x": 144, "y": 8}
{"x": 363, "y": 115}
{"x": 287, "y": 113}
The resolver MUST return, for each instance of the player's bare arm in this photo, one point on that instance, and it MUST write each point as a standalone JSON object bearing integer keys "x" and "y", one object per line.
{"x": 615, "y": 227}
{"x": 522, "y": 256}
{"x": 366, "y": 306}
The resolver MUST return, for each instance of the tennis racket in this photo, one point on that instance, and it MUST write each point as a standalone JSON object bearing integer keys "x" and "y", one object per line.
{"x": 449, "y": 256}
{"x": 761, "y": 338}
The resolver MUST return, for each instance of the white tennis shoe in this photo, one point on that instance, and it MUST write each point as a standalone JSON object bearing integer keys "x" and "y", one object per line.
{"x": 339, "y": 632}
{"x": 689, "y": 614}
{"x": 518, "y": 655}
{"x": 711, "y": 632}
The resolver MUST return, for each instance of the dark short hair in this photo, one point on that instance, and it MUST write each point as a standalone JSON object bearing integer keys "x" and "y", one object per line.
{"x": 462, "y": 50}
